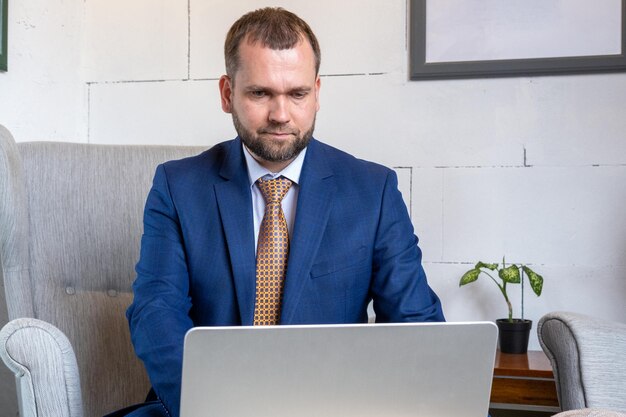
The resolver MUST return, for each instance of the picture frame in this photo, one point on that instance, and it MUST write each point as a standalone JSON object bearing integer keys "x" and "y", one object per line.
{"x": 4, "y": 23}
{"x": 472, "y": 67}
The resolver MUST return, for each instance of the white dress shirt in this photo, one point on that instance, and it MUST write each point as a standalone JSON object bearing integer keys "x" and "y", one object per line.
{"x": 290, "y": 201}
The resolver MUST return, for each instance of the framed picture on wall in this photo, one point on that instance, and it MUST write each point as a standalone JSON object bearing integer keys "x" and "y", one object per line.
{"x": 494, "y": 38}
{"x": 4, "y": 23}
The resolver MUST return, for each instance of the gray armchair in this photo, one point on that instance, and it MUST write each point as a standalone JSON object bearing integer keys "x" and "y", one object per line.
{"x": 70, "y": 229}
{"x": 588, "y": 356}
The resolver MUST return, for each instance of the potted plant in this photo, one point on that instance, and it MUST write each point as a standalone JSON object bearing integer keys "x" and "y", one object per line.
{"x": 513, "y": 332}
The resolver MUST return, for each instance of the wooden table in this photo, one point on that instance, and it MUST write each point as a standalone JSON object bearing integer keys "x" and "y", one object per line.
{"x": 523, "y": 382}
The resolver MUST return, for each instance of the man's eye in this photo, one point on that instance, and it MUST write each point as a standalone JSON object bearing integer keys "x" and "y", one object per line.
{"x": 298, "y": 95}
{"x": 258, "y": 94}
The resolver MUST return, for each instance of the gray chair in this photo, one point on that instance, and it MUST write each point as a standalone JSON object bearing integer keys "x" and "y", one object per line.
{"x": 588, "y": 356}
{"x": 8, "y": 398}
{"x": 590, "y": 412}
{"x": 70, "y": 229}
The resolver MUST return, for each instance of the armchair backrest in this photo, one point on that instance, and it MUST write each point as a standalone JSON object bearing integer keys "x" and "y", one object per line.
{"x": 70, "y": 229}
{"x": 588, "y": 356}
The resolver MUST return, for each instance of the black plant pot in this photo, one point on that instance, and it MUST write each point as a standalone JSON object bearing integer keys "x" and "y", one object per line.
{"x": 513, "y": 336}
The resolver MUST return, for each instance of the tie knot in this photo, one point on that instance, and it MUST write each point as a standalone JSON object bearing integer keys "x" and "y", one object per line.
{"x": 274, "y": 190}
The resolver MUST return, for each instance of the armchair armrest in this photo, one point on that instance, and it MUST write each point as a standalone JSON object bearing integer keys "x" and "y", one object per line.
{"x": 590, "y": 412}
{"x": 44, "y": 364}
{"x": 587, "y": 355}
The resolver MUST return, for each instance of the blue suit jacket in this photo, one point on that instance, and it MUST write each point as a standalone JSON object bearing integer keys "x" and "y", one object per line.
{"x": 352, "y": 242}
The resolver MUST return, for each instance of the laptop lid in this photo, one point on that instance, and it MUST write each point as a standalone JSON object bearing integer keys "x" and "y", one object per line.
{"x": 391, "y": 370}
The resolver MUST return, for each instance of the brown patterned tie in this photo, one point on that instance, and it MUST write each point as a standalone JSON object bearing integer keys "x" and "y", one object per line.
{"x": 272, "y": 253}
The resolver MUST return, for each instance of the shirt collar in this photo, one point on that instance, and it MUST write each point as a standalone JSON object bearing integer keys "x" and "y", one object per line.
{"x": 256, "y": 171}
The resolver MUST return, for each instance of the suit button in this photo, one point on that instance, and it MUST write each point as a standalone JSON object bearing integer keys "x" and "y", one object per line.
{"x": 112, "y": 293}
{"x": 70, "y": 290}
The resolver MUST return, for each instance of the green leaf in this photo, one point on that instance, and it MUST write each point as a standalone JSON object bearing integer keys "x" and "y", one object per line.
{"x": 536, "y": 280}
{"x": 469, "y": 276}
{"x": 510, "y": 274}
{"x": 492, "y": 267}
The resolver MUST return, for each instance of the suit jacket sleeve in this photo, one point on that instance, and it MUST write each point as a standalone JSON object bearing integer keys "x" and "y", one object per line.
{"x": 399, "y": 289}
{"x": 159, "y": 314}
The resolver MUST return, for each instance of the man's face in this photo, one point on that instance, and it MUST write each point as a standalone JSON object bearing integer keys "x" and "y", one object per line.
{"x": 273, "y": 99}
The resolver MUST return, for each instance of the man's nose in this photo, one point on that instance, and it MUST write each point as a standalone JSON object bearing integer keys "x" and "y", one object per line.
{"x": 279, "y": 110}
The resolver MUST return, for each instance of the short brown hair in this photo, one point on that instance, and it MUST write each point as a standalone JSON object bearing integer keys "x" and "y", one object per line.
{"x": 275, "y": 28}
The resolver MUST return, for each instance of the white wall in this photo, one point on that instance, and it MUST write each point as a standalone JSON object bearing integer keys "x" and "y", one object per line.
{"x": 43, "y": 95}
{"x": 533, "y": 168}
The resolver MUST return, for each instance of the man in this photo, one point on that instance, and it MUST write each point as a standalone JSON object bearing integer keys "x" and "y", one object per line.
{"x": 219, "y": 249}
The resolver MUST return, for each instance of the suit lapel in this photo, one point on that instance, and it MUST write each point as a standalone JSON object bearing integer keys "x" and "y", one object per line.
{"x": 317, "y": 189}
{"x": 235, "y": 207}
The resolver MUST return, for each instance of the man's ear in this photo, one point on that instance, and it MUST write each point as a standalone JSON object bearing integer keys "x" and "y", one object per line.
{"x": 226, "y": 93}
{"x": 318, "y": 85}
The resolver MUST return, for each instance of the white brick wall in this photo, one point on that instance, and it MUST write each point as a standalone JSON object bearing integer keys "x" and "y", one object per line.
{"x": 480, "y": 150}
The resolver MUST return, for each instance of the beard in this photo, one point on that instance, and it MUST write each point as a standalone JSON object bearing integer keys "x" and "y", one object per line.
{"x": 268, "y": 149}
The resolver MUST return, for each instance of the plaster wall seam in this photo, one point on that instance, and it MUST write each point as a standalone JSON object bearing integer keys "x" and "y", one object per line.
{"x": 443, "y": 209}
{"x": 188, "y": 39}
{"x": 525, "y": 158}
{"x": 356, "y": 74}
{"x": 88, "y": 112}
{"x": 563, "y": 165}
{"x": 473, "y": 263}
{"x": 165, "y": 80}
{"x": 410, "y": 168}
{"x": 368, "y": 74}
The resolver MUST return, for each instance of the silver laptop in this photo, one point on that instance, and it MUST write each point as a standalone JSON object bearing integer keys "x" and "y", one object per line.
{"x": 368, "y": 370}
